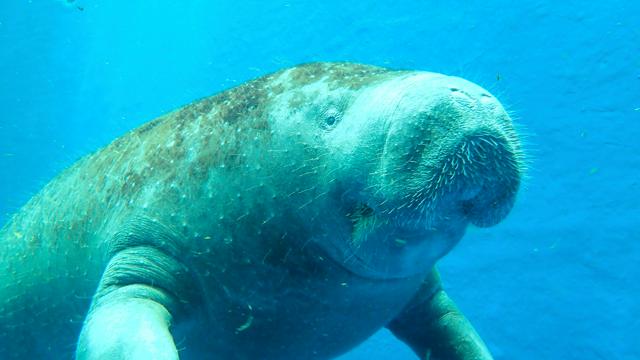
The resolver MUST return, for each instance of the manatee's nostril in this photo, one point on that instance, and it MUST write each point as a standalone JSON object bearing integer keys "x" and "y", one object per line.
{"x": 485, "y": 95}
{"x": 460, "y": 94}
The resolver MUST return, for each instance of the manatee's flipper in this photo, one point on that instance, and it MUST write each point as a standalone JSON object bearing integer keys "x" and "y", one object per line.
{"x": 435, "y": 329}
{"x": 139, "y": 296}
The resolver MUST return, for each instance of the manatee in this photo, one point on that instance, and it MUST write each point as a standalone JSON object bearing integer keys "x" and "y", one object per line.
{"x": 290, "y": 217}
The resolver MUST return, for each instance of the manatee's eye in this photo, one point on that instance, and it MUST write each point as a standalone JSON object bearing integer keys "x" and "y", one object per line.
{"x": 330, "y": 118}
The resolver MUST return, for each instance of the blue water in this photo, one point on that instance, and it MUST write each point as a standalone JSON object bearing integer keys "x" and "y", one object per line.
{"x": 559, "y": 279}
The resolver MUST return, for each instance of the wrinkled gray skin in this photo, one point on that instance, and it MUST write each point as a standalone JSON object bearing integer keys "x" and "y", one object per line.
{"x": 288, "y": 218}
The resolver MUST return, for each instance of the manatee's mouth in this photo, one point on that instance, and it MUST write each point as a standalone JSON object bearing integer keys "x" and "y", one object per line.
{"x": 397, "y": 237}
{"x": 388, "y": 247}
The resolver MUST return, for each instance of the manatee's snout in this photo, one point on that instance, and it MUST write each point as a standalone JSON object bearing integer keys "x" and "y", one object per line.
{"x": 451, "y": 154}
{"x": 479, "y": 178}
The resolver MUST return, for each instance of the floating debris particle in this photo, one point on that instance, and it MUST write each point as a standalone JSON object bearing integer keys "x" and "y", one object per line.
{"x": 400, "y": 242}
{"x": 247, "y": 324}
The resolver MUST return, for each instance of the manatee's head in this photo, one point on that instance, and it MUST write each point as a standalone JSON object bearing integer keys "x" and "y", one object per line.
{"x": 413, "y": 159}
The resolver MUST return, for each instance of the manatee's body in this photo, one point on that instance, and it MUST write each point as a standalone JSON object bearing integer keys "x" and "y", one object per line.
{"x": 290, "y": 217}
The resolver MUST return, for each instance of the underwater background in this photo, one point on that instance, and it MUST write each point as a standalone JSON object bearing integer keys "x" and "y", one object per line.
{"x": 559, "y": 279}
